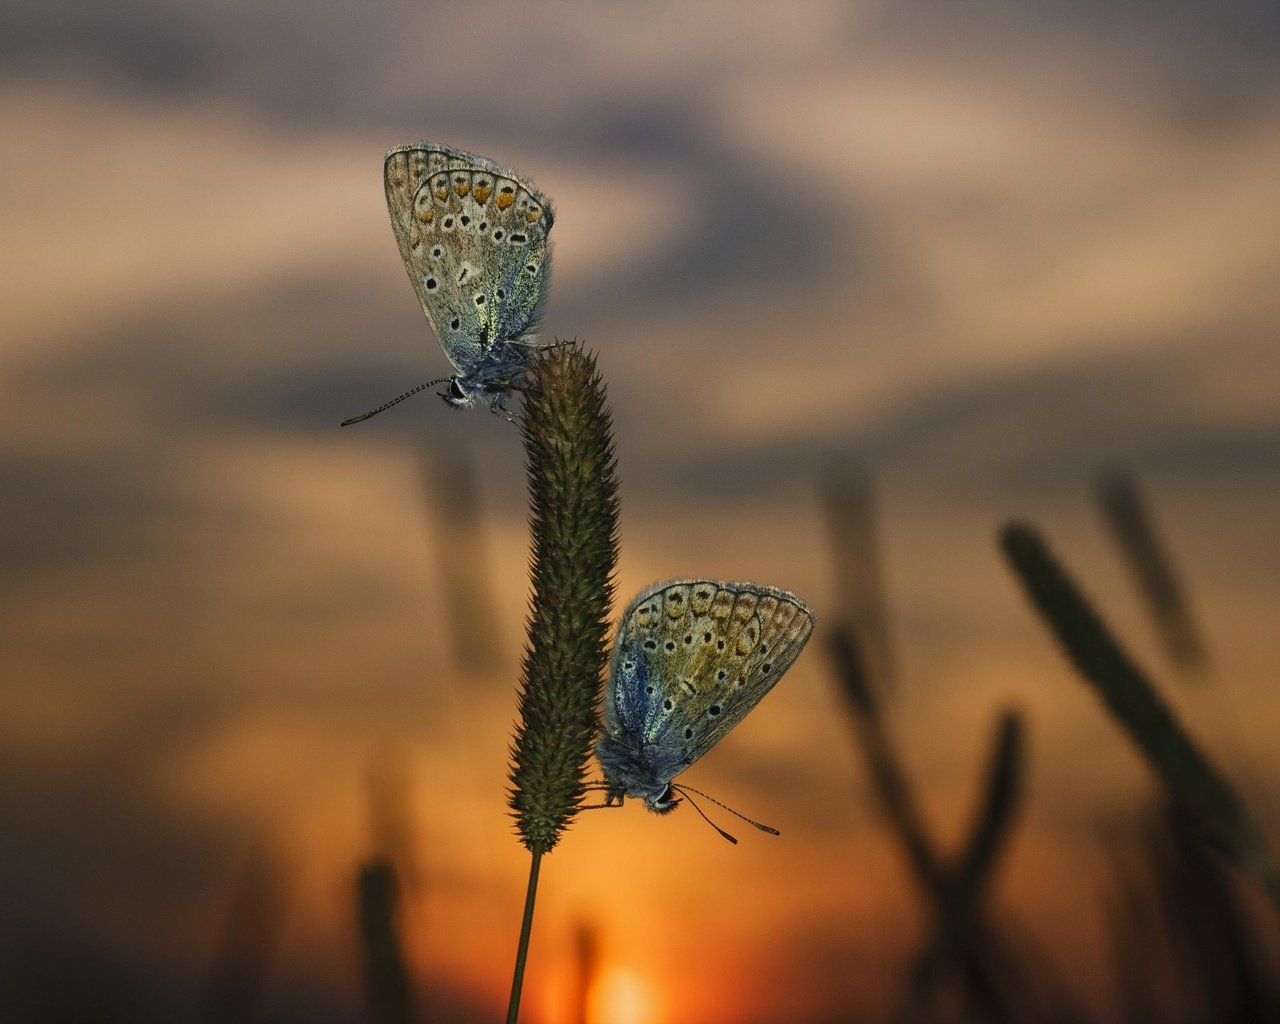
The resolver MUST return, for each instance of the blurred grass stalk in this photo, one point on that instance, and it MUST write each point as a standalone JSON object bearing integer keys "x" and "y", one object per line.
{"x": 586, "y": 949}
{"x": 889, "y": 781}
{"x": 1216, "y": 956}
{"x": 954, "y": 889}
{"x": 1131, "y": 524}
{"x": 457, "y": 520}
{"x": 1189, "y": 777}
{"x": 1138, "y": 940}
{"x": 386, "y": 980}
{"x": 573, "y": 508}
{"x": 390, "y": 803}
{"x": 250, "y": 939}
{"x": 966, "y": 882}
{"x": 1182, "y": 943}
{"x": 848, "y": 500}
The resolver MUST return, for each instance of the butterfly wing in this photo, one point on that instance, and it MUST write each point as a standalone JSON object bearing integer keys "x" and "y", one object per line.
{"x": 473, "y": 237}
{"x": 692, "y": 658}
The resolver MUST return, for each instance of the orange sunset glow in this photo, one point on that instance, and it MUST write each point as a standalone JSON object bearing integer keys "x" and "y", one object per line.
{"x": 865, "y": 282}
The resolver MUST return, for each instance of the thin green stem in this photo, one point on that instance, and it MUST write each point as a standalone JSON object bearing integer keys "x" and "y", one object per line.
{"x": 526, "y": 927}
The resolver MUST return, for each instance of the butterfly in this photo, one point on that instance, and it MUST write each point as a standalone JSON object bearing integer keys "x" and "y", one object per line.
{"x": 691, "y": 660}
{"x": 473, "y": 237}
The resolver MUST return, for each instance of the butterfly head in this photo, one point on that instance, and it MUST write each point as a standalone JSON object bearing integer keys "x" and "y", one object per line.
{"x": 663, "y": 801}
{"x": 465, "y": 392}
{"x": 460, "y": 393}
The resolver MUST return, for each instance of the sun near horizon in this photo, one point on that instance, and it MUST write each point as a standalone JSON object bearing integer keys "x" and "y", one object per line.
{"x": 621, "y": 995}
{"x": 612, "y": 994}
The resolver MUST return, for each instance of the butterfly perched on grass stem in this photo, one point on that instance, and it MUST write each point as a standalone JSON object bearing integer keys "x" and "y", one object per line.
{"x": 691, "y": 659}
{"x": 473, "y": 237}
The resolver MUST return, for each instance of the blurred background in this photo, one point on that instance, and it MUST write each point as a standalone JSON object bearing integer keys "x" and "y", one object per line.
{"x": 865, "y": 281}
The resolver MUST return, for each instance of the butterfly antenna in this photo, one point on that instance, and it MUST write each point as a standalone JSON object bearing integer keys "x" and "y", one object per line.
{"x": 750, "y": 821}
{"x": 694, "y": 804}
{"x": 395, "y": 401}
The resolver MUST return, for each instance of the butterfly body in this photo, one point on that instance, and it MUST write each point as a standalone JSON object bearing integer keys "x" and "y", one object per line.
{"x": 692, "y": 658}
{"x": 473, "y": 237}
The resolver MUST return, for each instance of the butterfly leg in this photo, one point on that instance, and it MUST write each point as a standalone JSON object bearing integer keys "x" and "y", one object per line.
{"x": 499, "y": 408}
{"x": 612, "y": 798}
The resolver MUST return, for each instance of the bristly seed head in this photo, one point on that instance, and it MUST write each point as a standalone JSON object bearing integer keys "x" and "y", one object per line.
{"x": 573, "y": 502}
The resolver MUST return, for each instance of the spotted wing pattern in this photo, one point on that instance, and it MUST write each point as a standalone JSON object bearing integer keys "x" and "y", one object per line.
{"x": 473, "y": 236}
{"x": 691, "y": 659}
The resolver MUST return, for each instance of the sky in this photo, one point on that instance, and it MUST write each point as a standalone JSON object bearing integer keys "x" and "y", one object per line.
{"x": 977, "y": 254}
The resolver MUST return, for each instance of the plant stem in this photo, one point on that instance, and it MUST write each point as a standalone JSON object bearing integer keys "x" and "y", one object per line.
{"x": 526, "y": 927}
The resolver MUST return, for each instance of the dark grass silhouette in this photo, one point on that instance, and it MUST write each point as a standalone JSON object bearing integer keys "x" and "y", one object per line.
{"x": 460, "y": 545}
{"x": 387, "y": 987}
{"x": 1189, "y": 777}
{"x": 1131, "y": 524}
{"x": 997, "y": 980}
{"x": 249, "y": 942}
{"x": 849, "y": 506}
